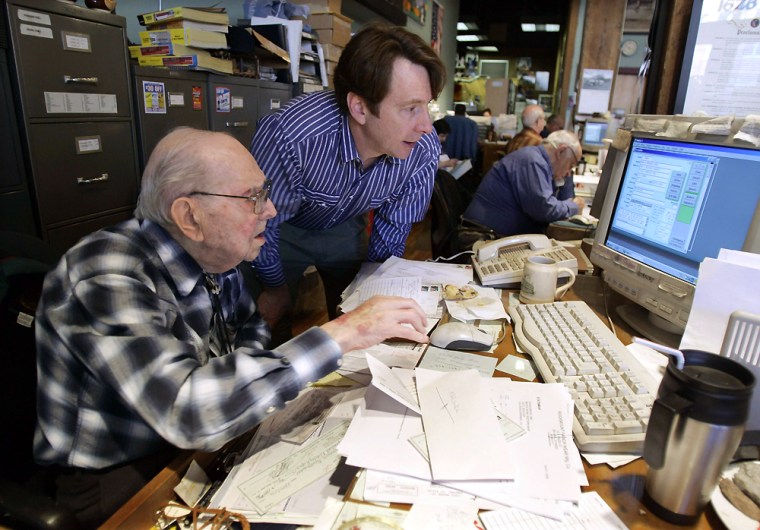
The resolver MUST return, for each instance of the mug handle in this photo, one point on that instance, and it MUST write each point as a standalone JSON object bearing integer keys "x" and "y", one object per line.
{"x": 560, "y": 292}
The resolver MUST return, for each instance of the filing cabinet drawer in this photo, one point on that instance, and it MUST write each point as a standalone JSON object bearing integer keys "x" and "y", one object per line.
{"x": 82, "y": 168}
{"x": 85, "y": 66}
{"x": 272, "y": 96}
{"x": 65, "y": 237}
{"x": 185, "y": 102}
{"x": 233, "y": 109}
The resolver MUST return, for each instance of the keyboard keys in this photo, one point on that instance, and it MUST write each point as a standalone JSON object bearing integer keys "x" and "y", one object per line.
{"x": 612, "y": 392}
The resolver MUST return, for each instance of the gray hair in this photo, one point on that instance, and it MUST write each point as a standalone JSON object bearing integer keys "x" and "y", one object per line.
{"x": 531, "y": 114}
{"x": 175, "y": 168}
{"x": 563, "y": 137}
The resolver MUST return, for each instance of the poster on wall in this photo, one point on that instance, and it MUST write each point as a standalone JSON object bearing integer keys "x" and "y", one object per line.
{"x": 724, "y": 71}
{"x": 436, "y": 31}
{"x": 416, "y": 9}
{"x": 595, "y": 91}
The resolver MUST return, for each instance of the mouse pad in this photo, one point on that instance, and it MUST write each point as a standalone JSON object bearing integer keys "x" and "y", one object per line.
{"x": 518, "y": 367}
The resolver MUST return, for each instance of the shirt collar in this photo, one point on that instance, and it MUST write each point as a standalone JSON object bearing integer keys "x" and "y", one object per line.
{"x": 348, "y": 151}
{"x": 183, "y": 270}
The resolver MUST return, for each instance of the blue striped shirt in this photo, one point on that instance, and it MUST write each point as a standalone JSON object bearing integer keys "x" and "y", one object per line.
{"x": 123, "y": 360}
{"x": 307, "y": 150}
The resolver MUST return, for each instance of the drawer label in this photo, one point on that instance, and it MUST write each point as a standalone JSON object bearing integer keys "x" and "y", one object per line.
{"x": 78, "y": 42}
{"x": 154, "y": 97}
{"x": 237, "y": 102}
{"x": 76, "y": 103}
{"x": 33, "y": 16}
{"x": 35, "y": 31}
{"x": 88, "y": 144}
{"x": 176, "y": 99}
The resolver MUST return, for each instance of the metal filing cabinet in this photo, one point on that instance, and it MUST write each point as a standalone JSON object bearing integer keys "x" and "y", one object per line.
{"x": 71, "y": 77}
{"x": 166, "y": 99}
{"x": 239, "y": 102}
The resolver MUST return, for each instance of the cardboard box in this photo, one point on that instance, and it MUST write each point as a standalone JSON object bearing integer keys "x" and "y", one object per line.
{"x": 332, "y": 28}
{"x": 320, "y": 6}
{"x": 331, "y": 51}
{"x": 330, "y": 67}
{"x": 330, "y": 82}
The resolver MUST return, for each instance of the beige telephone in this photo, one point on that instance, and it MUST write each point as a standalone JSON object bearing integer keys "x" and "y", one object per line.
{"x": 500, "y": 262}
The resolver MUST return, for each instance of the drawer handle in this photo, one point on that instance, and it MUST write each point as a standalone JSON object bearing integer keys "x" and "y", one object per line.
{"x": 101, "y": 178}
{"x": 80, "y": 80}
{"x": 237, "y": 124}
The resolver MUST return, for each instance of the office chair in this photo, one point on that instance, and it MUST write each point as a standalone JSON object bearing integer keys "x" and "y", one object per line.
{"x": 450, "y": 234}
{"x": 25, "y": 500}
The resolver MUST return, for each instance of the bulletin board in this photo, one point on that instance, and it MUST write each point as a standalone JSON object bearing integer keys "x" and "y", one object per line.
{"x": 721, "y": 67}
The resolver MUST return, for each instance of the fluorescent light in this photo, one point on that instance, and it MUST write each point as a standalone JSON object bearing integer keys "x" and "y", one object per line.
{"x": 467, "y": 26}
{"x": 528, "y": 27}
{"x": 552, "y": 28}
{"x": 483, "y": 48}
{"x": 470, "y": 38}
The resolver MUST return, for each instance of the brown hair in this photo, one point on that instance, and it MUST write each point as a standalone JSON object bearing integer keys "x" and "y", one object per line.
{"x": 366, "y": 64}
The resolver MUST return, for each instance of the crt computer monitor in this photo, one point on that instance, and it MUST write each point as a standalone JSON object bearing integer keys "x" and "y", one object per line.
{"x": 594, "y": 133}
{"x": 671, "y": 205}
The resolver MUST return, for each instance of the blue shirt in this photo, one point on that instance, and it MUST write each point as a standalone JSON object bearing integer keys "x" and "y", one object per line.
{"x": 462, "y": 141}
{"x": 318, "y": 181}
{"x": 123, "y": 358}
{"x": 517, "y": 197}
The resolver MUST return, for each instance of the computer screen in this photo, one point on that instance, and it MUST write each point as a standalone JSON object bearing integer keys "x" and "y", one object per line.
{"x": 675, "y": 203}
{"x": 594, "y": 132}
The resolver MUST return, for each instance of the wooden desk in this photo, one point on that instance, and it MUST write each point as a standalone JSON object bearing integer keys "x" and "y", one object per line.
{"x": 621, "y": 488}
{"x": 492, "y": 151}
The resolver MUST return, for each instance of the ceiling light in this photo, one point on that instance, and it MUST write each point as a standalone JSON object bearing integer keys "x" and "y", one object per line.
{"x": 493, "y": 49}
{"x": 528, "y": 27}
{"x": 467, "y": 26}
{"x": 470, "y": 38}
{"x": 552, "y": 28}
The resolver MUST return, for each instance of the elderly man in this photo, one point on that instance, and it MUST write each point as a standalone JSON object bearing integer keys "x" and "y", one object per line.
{"x": 517, "y": 196}
{"x": 148, "y": 340}
{"x": 555, "y": 122}
{"x": 533, "y": 123}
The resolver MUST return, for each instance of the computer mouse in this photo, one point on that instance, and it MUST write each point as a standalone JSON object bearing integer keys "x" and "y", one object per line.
{"x": 581, "y": 220}
{"x": 460, "y": 336}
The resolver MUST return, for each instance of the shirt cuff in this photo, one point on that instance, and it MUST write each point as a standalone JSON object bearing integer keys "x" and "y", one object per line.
{"x": 313, "y": 354}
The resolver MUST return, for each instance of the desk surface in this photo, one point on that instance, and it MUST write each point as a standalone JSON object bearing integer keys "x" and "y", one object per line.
{"x": 621, "y": 488}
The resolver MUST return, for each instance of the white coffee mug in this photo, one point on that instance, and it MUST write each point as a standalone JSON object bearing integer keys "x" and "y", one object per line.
{"x": 539, "y": 282}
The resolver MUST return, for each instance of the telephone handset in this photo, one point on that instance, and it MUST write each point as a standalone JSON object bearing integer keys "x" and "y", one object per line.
{"x": 490, "y": 249}
{"x": 500, "y": 262}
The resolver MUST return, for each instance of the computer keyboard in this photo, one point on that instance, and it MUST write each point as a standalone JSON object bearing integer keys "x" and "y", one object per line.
{"x": 612, "y": 391}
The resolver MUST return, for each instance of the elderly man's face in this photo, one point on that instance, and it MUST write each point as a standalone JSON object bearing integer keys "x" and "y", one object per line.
{"x": 233, "y": 231}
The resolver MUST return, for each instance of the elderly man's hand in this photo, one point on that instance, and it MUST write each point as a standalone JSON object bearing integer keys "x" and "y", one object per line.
{"x": 378, "y": 319}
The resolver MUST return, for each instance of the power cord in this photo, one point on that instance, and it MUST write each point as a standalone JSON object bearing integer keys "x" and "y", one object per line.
{"x": 455, "y": 256}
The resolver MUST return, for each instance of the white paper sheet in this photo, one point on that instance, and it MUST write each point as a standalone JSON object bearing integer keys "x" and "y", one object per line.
{"x": 461, "y": 427}
{"x": 452, "y": 361}
{"x": 592, "y": 514}
{"x": 722, "y": 288}
{"x": 390, "y": 383}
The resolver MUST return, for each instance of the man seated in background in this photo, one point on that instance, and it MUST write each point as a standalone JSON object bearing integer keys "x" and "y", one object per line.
{"x": 442, "y": 128}
{"x": 462, "y": 141}
{"x": 517, "y": 196}
{"x": 554, "y": 123}
{"x": 148, "y": 340}
{"x": 533, "y": 123}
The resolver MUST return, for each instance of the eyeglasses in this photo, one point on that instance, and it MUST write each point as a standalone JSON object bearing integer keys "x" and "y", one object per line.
{"x": 259, "y": 199}
{"x": 576, "y": 160}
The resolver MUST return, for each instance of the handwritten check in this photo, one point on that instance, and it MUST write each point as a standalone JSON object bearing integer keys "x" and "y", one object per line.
{"x": 294, "y": 472}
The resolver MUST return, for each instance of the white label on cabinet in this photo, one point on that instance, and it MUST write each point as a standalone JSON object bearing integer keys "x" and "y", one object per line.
{"x": 78, "y": 42}
{"x": 274, "y": 104}
{"x": 35, "y": 31}
{"x": 88, "y": 144}
{"x": 74, "y": 103}
{"x": 176, "y": 99}
{"x": 237, "y": 102}
{"x": 33, "y": 16}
